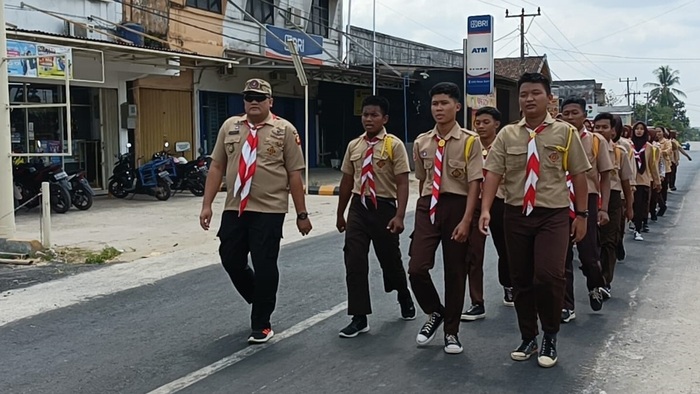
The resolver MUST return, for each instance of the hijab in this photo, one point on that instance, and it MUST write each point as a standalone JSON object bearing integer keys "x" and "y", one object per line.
{"x": 639, "y": 144}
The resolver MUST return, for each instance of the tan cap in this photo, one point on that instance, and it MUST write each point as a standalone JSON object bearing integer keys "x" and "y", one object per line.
{"x": 258, "y": 85}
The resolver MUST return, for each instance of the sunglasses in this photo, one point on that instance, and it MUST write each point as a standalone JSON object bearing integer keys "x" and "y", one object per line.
{"x": 257, "y": 97}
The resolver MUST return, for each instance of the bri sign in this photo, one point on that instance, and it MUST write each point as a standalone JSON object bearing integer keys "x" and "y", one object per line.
{"x": 479, "y": 67}
{"x": 309, "y": 48}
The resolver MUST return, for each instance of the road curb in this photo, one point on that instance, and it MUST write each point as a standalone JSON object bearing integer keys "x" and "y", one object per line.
{"x": 324, "y": 190}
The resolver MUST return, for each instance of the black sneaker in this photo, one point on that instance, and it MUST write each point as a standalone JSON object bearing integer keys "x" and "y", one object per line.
{"x": 452, "y": 344}
{"x": 645, "y": 228}
{"x": 621, "y": 253}
{"x": 260, "y": 336}
{"x": 595, "y": 297}
{"x": 606, "y": 292}
{"x": 525, "y": 350}
{"x": 508, "y": 299}
{"x": 427, "y": 332}
{"x": 673, "y": 188}
{"x": 567, "y": 315}
{"x": 357, "y": 326}
{"x": 476, "y": 312}
{"x": 662, "y": 211}
{"x": 654, "y": 217}
{"x": 408, "y": 310}
{"x": 548, "y": 353}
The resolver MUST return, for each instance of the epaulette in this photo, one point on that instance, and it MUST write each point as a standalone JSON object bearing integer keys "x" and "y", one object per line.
{"x": 423, "y": 134}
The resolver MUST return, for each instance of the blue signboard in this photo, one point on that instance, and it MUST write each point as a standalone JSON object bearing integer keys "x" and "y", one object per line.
{"x": 479, "y": 68}
{"x": 305, "y": 46}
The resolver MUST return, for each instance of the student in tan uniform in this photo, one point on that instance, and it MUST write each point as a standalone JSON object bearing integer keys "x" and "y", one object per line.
{"x": 655, "y": 199}
{"x": 611, "y": 232}
{"x": 375, "y": 176}
{"x": 676, "y": 158}
{"x": 449, "y": 168}
{"x": 536, "y": 218}
{"x": 598, "y": 179}
{"x": 261, "y": 157}
{"x": 666, "y": 147}
{"x": 647, "y": 176}
{"x": 619, "y": 130}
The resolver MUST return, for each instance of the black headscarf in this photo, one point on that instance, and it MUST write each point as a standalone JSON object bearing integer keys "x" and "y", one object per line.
{"x": 639, "y": 143}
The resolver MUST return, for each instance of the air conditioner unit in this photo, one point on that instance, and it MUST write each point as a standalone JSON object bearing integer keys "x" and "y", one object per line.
{"x": 228, "y": 71}
{"x": 293, "y": 17}
{"x": 75, "y": 30}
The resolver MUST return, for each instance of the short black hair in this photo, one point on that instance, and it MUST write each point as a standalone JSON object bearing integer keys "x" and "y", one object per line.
{"x": 580, "y": 101}
{"x": 535, "y": 78}
{"x": 604, "y": 116}
{"x": 379, "y": 101}
{"x": 448, "y": 88}
{"x": 495, "y": 114}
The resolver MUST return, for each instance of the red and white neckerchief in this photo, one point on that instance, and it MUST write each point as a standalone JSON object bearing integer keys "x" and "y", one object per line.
{"x": 367, "y": 179}
{"x": 246, "y": 166}
{"x": 570, "y": 186}
{"x": 437, "y": 177}
{"x": 532, "y": 171}
{"x": 638, "y": 155}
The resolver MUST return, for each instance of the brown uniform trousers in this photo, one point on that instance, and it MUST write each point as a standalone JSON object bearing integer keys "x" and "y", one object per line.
{"x": 499, "y": 241}
{"x": 588, "y": 254}
{"x": 365, "y": 225}
{"x": 672, "y": 175}
{"x": 610, "y": 235}
{"x": 475, "y": 260}
{"x": 536, "y": 252}
{"x": 641, "y": 206}
{"x": 424, "y": 242}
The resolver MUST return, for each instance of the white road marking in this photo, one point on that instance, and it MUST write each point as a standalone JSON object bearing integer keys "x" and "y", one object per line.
{"x": 201, "y": 374}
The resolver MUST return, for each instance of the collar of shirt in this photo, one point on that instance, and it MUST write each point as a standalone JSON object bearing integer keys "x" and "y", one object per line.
{"x": 268, "y": 121}
{"x": 456, "y": 132}
{"x": 380, "y": 136}
{"x": 548, "y": 120}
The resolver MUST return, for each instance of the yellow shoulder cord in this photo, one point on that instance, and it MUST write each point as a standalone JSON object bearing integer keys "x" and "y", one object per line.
{"x": 618, "y": 162}
{"x": 387, "y": 147}
{"x": 565, "y": 161}
{"x": 468, "y": 147}
{"x": 596, "y": 147}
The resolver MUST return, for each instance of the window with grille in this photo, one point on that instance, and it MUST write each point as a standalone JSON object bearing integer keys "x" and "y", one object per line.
{"x": 262, "y": 11}
{"x": 207, "y": 5}
{"x": 319, "y": 18}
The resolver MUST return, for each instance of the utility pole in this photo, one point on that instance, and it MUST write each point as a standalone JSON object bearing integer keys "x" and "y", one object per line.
{"x": 7, "y": 205}
{"x": 522, "y": 17}
{"x": 628, "y": 80}
{"x": 634, "y": 98}
{"x": 646, "y": 108}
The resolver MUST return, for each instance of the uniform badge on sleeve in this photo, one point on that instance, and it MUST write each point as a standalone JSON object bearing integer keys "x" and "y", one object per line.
{"x": 297, "y": 139}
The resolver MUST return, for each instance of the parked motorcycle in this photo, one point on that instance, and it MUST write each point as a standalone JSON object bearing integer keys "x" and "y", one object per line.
{"x": 151, "y": 178}
{"x": 81, "y": 192}
{"x": 28, "y": 178}
{"x": 186, "y": 175}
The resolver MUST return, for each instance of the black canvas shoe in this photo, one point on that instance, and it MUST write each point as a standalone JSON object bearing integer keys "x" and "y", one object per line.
{"x": 654, "y": 217}
{"x": 595, "y": 297}
{"x": 475, "y": 312}
{"x": 508, "y": 299}
{"x": 427, "y": 332}
{"x": 357, "y": 326}
{"x": 567, "y": 315}
{"x": 645, "y": 228}
{"x": 452, "y": 344}
{"x": 408, "y": 310}
{"x": 525, "y": 350}
{"x": 606, "y": 292}
{"x": 621, "y": 253}
{"x": 662, "y": 211}
{"x": 548, "y": 352}
{"x": 260, "y": 336}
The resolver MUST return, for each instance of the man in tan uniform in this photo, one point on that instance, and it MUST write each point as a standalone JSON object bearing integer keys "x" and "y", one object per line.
{"x": 647, "y": 176}
{"x": 622, "y": 138}
{"x": 611, "y": 232}
{"x": 676, "y": 158}
{"x": 449, "y": 168}
{"x": 261, "y": 156}
{"x": 598, "y": 179}
{"x": 535, "y": 155}
{"x": 375, "y": 175}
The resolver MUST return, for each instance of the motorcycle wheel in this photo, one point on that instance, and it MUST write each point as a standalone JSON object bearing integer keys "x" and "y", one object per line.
{"x": 60, "y": 198}
{"x": 162, "y": 191}
{"x": 197, "y": 187}
{"x": 117, "y": 189}
{"x": 82, "y": 199}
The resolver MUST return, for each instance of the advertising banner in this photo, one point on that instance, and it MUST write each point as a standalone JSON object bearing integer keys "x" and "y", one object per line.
{"x": 43, "y": 67}
{"x": 21, "y": 67}
{"x": 479, "y": 52}
{"x": 308, "y": 49}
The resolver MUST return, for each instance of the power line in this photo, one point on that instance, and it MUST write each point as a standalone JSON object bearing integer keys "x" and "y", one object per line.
{"x": 522, "y": 17}
{"x": 414, "y": 21}
{"x": 562, "y": 60}
{"x": 534, "y": 50}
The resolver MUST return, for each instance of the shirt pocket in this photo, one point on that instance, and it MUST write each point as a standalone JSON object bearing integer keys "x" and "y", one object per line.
{"x": 232, "y": 143}
{"x": 554, "y": 157}
{"x": 356, "y": 160}
{"x": 272, "y": 150}
{"x": 457, "y": 169}
{"x": 381, "y": 163}
{"x": 515, "y": 157}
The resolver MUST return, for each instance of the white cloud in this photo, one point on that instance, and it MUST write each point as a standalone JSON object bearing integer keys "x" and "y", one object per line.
{"x": 626, "y": 28}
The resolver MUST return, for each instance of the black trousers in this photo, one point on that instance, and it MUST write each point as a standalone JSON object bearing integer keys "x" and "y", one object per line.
{"x": 259, "y": 235}
{"x": 499, "y": 241}
{"x": 610, "y": 236}
{"x": 664, "y": 190}
{"x": 641, "y": 206}
{"x": 672, "y": 176}
{"x": 365, "y": 225}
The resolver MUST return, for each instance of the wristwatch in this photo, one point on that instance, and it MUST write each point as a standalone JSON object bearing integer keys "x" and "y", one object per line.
{"x": 302, "y": 215}
{"x": 583, "y": 214}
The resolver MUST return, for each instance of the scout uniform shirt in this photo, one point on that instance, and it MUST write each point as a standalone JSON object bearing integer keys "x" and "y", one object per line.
{"x": 651, "y": 173}
{"x": 627, "y": 144}
{"x": 600, "y": 162}
{"x": 388, "y": 160}
{"x": 676, "y": 156}
{"x": 508, "y": 157}
{"x": 458, "y": 166}
{"x": 666, "y": 153}
{"x": 278, "y": 154}
{"x": 622, "y": 170}
{"x": 501, "y": 192}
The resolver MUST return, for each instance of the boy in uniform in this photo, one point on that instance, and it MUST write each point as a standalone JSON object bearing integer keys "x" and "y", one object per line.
{"x": 375, "y": 176}
{"x": 449, "y": 168}
{"x": 536, "y": 153}
{"x": 627, "y": 207}
{"x": 598, "y": 179}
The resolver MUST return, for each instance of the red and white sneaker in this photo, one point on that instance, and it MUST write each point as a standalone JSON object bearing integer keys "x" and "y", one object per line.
{"x": 260, "y": 336}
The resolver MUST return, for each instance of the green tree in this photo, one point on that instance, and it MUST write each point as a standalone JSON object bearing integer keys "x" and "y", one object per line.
{"x": 664, "y": 91}
{"x": 673, "y": 117}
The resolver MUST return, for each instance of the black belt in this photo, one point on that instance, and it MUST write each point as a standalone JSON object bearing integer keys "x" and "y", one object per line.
{"x": 390, "y": 201}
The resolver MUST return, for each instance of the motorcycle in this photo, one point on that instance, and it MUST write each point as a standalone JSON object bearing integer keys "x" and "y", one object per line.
{"x": 81, "y": 192}
{"x": 28, "y": 178}
{"x": 151, "y": 178}
{"x": 186, "y": 175}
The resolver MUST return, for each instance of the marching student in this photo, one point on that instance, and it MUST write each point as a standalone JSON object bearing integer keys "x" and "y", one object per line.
{"x": 605, "y": 124}
{"x": 449, "y": 167}
{"x": 619, "y": 131}
{"x": 375, "y": 176}
{"x": 666, "y": 147}
{"x": 655, "y": 194}
{"x": 536, "y": 154}
{"x": 647, "y": 176}
{"x": 676, "y": 158}
{"x": 598, "y": 179}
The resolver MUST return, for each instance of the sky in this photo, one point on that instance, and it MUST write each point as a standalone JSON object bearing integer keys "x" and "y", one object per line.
{"x": 603, "y": 40}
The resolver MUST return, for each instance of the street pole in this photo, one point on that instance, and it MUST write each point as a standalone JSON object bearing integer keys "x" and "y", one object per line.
{"x": 306, "y": 137}
{"x": 347, "y": 34}
{"x": 646, "y": 108}
{"x": 7, "y": 197}
{"x": 628, "y": 80}
{"x": 374, "y": 47}
{"x": 522, "y": 17}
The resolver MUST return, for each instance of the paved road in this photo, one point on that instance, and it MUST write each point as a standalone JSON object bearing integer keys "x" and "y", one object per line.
{"x": 142, "y": 339}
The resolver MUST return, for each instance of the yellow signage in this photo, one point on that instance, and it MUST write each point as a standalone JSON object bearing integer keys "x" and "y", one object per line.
{"x": 360, "y": 95}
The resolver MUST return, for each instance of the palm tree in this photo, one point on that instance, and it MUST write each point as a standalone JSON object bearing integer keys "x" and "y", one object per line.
{"x": 664, "y": 91}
